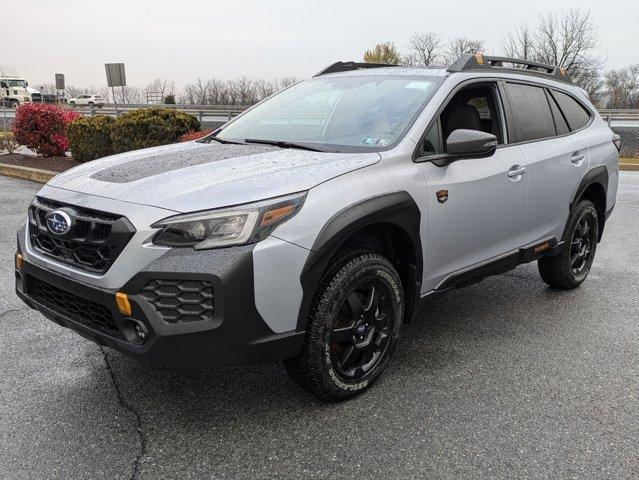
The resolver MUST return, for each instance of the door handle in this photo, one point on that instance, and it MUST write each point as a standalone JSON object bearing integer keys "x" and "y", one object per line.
{"x": 516, "y": 172}
{"x": 577, "y": 158}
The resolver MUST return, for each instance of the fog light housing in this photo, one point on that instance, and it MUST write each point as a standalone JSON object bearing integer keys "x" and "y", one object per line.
{"x": 135, "y": 331}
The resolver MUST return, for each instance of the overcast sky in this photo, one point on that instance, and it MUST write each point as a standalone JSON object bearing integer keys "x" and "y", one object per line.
{"x": 183, "y": 40}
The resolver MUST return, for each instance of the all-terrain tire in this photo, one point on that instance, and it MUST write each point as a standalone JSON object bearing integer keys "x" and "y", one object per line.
{"x": 559, "y": 271}
{"x": 313, "y": 368}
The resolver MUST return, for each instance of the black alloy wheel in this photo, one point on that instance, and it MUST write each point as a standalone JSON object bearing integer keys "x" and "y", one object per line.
{"x": 581, "y": 245}
{"x": 362, "y": 332}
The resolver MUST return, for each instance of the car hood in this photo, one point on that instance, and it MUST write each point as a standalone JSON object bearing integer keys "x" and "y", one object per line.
{"x": 194, "y": 176}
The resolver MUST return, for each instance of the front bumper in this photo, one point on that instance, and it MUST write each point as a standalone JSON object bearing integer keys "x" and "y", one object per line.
{"x": 235, "y": 333}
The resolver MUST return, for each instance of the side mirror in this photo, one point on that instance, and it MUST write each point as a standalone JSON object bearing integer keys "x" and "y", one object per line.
{"x": 471, "y": 143}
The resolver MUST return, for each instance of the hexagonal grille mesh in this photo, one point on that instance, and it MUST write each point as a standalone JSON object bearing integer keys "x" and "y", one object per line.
{"x": 94, "y": 244}
{"x": 72, "y": 306}
{"x": 178, "y": 301}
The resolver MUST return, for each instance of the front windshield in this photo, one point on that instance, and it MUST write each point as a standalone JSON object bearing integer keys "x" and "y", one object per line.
{"x": 17, "y": 83}
{"x": 349, "y": 113}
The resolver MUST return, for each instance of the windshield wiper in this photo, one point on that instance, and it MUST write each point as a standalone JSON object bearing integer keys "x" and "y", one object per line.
{"x": 213, "y": 137}
{"x": 282, "y": 144}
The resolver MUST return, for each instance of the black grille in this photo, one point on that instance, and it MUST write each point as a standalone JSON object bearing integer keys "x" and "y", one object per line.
{"x": 74, "y": 307}
{"x": 179, "y": 301}
{"x": 93, "y": 244}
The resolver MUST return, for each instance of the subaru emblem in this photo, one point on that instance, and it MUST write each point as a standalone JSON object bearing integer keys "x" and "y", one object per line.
{"x": 59, "y": 222}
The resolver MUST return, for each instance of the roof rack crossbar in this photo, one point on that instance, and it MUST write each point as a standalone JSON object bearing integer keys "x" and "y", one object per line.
{"x": 347, "y": 66}
{"x": 477, "y": 61}
{"x": 528, "y": 64}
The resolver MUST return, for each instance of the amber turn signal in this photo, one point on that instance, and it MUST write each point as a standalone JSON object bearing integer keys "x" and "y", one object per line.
{"x": 19, "y": 261}
{"x": 274, "y": 215}
{"x": 123, "y": 304}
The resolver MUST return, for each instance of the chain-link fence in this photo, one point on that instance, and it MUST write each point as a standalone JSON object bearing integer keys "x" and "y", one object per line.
{"x": 629, "y": 140}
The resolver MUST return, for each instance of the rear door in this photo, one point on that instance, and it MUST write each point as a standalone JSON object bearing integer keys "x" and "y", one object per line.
{"x": 556, "y": 158}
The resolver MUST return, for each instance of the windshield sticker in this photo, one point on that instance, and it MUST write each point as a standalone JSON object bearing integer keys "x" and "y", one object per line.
{"x": 418, "y": 85}
{"x": 380, "y": 142}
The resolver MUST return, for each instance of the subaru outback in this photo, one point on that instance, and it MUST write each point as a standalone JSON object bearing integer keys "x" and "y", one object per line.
{"x": 310, "y": 228}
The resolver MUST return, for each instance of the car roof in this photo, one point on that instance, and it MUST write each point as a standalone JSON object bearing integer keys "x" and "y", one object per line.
{"x": 443, "y": 72}
{"x": 396, "y": 71}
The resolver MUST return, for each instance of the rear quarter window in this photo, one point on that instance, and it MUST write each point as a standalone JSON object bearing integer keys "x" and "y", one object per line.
{"x": 577, "y": 116}
{"x": 560, "y": 120}
{"x": 531, "y": 112}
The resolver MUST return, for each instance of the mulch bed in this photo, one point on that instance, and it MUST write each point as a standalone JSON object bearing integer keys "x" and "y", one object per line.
{"x": 54, "y": 164}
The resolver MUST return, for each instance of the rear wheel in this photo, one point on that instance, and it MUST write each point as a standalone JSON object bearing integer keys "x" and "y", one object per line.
{"x": 91, "y": 104}
{"x": 570, "y": 268}
{"x": 352, "y": 329}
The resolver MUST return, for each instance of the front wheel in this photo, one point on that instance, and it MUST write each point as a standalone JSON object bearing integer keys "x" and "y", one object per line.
{"x": 353, "y": 327}
{"x": 14, "y": 104}
{"x": 72, "y": 104}
{"x": 570, "y": 268}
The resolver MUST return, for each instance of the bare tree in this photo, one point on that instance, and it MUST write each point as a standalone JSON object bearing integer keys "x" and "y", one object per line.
{"x": 463, "y": 45}
{"x": 519, "y": 44}
{"x": 265, "y": 88}
{"x": 157, "y": 85}
{"x": 424, "y": 49}
{"x": 72, "y": 91}
{"x": 623, "y": 87}
{"x": 287, "y": 82}
{"x": 569, "y": 41}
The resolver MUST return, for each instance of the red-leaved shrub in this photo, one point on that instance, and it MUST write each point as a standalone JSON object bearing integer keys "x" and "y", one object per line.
{"x": 187, "y": 137}
{"x": 41, "y": 128}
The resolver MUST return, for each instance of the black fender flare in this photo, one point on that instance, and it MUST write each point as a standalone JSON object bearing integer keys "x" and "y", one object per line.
{"x": 398, "y": 209}
{"x": 598, "y": 174}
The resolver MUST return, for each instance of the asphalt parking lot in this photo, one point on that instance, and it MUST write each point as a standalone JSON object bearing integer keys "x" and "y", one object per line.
{"x": 504, "y": 379}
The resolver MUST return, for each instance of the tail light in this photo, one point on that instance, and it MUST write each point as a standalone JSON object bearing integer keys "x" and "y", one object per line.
{"x": 616, "y": 139}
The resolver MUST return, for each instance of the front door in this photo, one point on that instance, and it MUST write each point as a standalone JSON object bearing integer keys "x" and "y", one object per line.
{"x": 475, "y": 212}
{"x": 475, "y": 205}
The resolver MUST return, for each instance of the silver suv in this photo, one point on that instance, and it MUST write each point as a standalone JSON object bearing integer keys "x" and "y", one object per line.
{"x": 309, "y": 228}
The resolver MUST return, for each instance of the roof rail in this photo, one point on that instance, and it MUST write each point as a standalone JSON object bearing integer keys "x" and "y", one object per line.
{"x": 477, "y": 61}
{"x": 347, "y": 66}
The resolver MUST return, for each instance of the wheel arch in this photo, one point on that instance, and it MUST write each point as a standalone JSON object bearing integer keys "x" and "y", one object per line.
{"x": 386, "y": 224}
{"x": 593, "y": 187}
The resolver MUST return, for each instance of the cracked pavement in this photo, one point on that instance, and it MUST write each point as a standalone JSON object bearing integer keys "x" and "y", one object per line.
{"x": 503, "y": 379}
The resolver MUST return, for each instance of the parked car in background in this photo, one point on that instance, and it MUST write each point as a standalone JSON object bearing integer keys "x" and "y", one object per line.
{"x": 86, "y": 100}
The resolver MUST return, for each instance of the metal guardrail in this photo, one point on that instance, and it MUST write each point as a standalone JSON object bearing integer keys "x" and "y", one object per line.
{"x": 616, "y": 115}
{"x": 201, "y": 111}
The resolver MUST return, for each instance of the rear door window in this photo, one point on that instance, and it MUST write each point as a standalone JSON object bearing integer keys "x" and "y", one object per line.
{"x": 577, "y": 116}
{"x": 531, "y": 111}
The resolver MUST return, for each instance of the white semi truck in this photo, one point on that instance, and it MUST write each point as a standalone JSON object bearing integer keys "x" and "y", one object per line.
{"x": 15, "y": 90}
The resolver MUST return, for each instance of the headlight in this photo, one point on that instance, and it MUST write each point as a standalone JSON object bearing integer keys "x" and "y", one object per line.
{"x": 228, "y": 226}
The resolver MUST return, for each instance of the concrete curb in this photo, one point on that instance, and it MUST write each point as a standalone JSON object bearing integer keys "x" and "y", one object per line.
{"x": 26, "y": 173}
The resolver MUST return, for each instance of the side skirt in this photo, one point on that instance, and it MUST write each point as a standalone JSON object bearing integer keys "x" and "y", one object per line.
{"x": 476, "y": 273}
